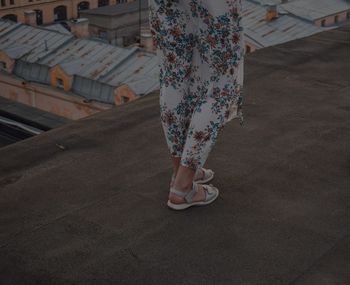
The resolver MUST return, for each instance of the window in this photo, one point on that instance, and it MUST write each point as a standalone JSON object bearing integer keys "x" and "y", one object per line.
{"x": 102, "y": 3}
{"x": 323, "y": 23}
{"x": 12, "y": 2}
{"x": 3, "y": 3}
{"x": 102, "y": 34}
{"x": 247, "y": 48}
{"x": 3, "y": 65}
{"x": 336, "y": 19}
{"x": 59, "y": 83}
{"x": 124, "y": 99}
{"x": 348, "y": 15}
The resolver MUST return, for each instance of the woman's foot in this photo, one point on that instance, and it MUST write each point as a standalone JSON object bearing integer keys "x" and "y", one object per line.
{"x": 198, "y": 195}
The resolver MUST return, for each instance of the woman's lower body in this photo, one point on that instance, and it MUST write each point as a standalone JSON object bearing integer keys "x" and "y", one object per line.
{"x": 200, "y": 47}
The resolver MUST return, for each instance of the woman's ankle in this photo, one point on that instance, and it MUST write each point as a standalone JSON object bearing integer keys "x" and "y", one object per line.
{"x": 183, "y": 186}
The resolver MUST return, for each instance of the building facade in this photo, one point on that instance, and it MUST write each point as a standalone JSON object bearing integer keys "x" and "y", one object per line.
{"x": 119, "y": 24}
{"x": 49, "y": 11}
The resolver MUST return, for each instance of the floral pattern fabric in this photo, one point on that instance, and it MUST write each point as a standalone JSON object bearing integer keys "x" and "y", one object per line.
{"x": 200, "y": 47}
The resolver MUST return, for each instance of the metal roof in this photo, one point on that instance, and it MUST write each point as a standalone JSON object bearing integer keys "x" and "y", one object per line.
{"x": 58, "y": 28}
{"x": 87, "y": 58}
{"x": 107, "y": 64}
{"x": 30, "y": 42}
{"x": 97, "y": 67}
{"x": 285, "y": 28}
{"x": 7, "y": 26}
{"x": 140, "y": 73}
{"x": 316, "y": 9}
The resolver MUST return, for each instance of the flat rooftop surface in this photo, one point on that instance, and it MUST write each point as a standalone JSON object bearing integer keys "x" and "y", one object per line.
{"x": 85, "y": 203}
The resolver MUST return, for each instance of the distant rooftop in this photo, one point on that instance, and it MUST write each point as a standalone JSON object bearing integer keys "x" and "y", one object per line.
{"x": 32, "y": 43}
{"x": 285, "y": 28}
{"x": 316, "y": 9}
{"x": 97, "y": 68}
{"x": 85, "y": 203}
{"x": 58, "y": 28}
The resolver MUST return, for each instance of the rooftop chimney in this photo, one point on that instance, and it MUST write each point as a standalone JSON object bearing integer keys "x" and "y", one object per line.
{"x": 30, "y": 18}
{"x": 146, "y": 40}
{"x": 79, "y": 27}
{"x": 271, "y": 12}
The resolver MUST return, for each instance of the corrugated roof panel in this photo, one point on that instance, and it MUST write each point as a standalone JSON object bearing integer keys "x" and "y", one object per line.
{"x": 316, "y": 9}
{"x": 7, "y": 26}
{"x": 39, "y": 41}
{"x": 88, "y": 58}
{"x": 102, "y": 62}
{"x": 284, "y": 28}
{"x": 58, "y": 28}
{"x": 140, "y": 73}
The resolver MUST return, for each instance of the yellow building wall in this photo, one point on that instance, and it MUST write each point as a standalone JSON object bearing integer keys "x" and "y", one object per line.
{"x": 47, "y": 7}
{"x": 48, "y": 98}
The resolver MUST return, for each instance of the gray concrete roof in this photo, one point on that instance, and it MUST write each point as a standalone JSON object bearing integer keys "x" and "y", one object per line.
{"x": 86, "y": 203}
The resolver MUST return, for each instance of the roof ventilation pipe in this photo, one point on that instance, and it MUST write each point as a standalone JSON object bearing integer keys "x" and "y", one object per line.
{"x": 271, "y": 12}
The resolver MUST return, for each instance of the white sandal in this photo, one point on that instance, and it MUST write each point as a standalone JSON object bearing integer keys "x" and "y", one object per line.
{"x": 208, "y": 175}
{"x": 211, "y": 193}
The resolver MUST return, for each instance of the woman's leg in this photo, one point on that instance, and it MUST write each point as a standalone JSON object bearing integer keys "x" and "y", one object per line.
{"x": 173, "y": 35}
{"x": 176, "y": 163}
{"x": 174, "y": 42}
{"x": 218, "y": 67}
{"x": 217, "y": 71}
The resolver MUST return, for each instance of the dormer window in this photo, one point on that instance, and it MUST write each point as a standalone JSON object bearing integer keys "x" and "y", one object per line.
{"x": 336, "y": 19}
{"x": 125, "y": 99}
{"x": 323, "y": 23}
{"x": 3, "y": 65}
{"x": 59, "y": 83}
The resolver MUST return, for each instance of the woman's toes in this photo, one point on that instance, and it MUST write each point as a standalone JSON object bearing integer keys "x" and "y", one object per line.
{"x": 176, "y": 199}
{"x": 200, "y": 195}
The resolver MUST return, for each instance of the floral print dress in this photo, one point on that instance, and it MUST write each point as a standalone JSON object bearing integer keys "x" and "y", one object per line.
{"x": 200, "y": 47}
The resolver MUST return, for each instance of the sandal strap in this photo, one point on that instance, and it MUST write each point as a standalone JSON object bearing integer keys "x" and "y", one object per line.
{"x": 188, "y": 196}
{"x": 206, "y": 190}
{"x": 177, "y": 192}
